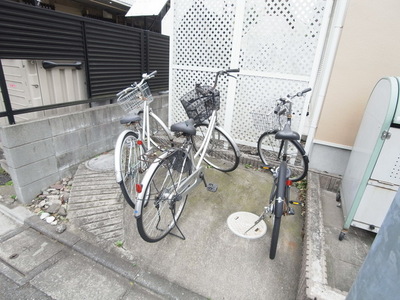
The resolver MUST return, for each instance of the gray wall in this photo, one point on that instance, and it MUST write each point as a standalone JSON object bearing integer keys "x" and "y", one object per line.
{"x": 43, "y": 151}
{"x": 379, "y": 276}
{"x": 329, "y": 159}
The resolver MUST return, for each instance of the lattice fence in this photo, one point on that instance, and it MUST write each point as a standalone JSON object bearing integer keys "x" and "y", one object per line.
{"x": 275, "y": 43}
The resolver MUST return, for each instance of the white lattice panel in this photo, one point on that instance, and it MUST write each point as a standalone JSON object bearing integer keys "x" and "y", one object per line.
{"x": 273, "y": 42}
{"x": 281, "y": 36}
{"x": 203, "y": 32}
{"x": 259, "y": 94}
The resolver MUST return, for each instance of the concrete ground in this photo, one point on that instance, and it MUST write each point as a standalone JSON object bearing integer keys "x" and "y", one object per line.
{"x": 212, "y": 263}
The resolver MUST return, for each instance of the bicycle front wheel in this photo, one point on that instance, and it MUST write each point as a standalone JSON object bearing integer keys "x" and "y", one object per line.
{"x": 222, "y": 151}
{"x": 270, "y": 151}
{"x": 279, "y": 203}
{"x": 161, "y": 201}
{"x": 130, "y": 165}
{"x": 275, "y": 236}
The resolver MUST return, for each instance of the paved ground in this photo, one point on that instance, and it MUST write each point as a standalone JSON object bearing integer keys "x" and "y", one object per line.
{"x": 84, "y": 263}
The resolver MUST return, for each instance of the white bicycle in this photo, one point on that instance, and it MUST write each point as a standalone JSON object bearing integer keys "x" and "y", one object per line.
{"x": 173, "y": 175}
{"x": 146, "y": 134}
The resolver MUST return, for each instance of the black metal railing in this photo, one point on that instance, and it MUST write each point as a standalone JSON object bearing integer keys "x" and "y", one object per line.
{"x": 112, "y": 55}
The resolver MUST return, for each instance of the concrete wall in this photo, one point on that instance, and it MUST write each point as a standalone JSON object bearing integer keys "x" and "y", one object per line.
{"x": 41, "y": 152}
{"x": 379, "y": 275}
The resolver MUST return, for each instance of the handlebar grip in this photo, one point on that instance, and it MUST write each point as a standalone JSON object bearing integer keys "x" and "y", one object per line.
{"x": 303, "y": 92}
{"x": 152, "y": 74}
{"x": 232, "y": 70}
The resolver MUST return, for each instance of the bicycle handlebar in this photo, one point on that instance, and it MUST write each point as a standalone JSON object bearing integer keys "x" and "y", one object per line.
{"x": 222, "y": 72}
{"x": 145, "y": 77}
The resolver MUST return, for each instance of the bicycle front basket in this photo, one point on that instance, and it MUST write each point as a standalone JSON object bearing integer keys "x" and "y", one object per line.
{"x": 199, "y": 106}
{"x": 266, "y": 121}
{"x": 134, "y": 99}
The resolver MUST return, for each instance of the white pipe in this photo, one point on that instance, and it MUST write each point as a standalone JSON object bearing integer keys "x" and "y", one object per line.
{"x": 329, "y": 59}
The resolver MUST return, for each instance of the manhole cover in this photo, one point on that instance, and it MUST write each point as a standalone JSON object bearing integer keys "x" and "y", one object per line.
{"x": 103, "y": 162}
{"x": 240, "y": 223}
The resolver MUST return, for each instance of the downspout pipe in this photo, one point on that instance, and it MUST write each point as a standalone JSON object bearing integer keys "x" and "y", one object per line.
{"x": 339, "y": 14}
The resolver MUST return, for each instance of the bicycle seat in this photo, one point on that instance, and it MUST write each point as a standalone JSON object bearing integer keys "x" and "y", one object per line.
{"x": 287, "y": 134}
{"x": 186, "y": 127}
{"x": 130, "y": 119}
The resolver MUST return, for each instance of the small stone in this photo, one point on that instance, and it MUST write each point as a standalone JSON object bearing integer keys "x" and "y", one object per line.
{"x": 53, "y": 208}
{"x": 42, "y": 203}
{"x": 44, "y": 215}
{"x": 64, "y": 197}
{"x": 57, "y": 186}
{"x": 53, "y": 199}
{"x": 50, "y": 219}
{"x": 61, "y": 228}
{"x": 62, "y": 211}
{"x": 54, "y": 222}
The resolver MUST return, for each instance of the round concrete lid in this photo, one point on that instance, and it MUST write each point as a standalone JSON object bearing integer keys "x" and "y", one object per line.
{"x": 241, "y": 222}
{"x": 103, "y": 162}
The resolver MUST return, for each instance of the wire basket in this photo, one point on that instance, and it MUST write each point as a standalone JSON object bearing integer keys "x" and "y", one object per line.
{"x": 133, "y": 100}
{"x": 266, "y": 121}
{"x": 199, "y": 106}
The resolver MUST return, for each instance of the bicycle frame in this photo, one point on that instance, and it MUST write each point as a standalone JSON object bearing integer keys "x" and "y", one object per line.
{"x": 142, "y": 131}
{"x": 197, "y": 171}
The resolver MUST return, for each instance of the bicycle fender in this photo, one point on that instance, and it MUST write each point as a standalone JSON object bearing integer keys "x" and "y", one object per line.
{"x": 117, "y": 154}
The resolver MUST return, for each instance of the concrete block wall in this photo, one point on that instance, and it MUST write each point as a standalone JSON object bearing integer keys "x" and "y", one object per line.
{"x": 41, "y": 152}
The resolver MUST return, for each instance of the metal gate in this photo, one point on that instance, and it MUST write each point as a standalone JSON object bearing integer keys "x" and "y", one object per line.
{"x": 277, "y": 44}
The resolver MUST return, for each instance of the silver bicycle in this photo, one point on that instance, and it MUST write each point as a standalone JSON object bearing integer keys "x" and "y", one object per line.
{"x": 138, "y": 145}
{"x": 173, "y": 175}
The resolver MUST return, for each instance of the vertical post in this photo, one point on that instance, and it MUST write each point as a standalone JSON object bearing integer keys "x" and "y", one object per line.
{"x": 147, "y": 45}
{"x": 87, "y": 68}
{"x": 142, "y": 54}
{"x": 6, "y": 96}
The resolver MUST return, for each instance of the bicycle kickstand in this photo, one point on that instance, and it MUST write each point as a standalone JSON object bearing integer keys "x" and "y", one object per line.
{"x": 211, "y": 187}
{"x": 262, "y": 216}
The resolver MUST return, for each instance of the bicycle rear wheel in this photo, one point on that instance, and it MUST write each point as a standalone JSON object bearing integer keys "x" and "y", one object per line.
{"x": 130, "y": 165}
{"x": 222, "y": 151}
{"x": 270, "y": 151}
{"x": 160, "y": 200}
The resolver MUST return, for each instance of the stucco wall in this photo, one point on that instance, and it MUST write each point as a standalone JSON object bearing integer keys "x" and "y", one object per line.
{"x": 368, "y": 50}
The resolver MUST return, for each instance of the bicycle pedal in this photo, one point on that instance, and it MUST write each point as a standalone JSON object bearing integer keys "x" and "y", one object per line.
{"x": 211, "y": 187}
{"x": 290, "y": 211}
{"x": 266, "y": 167}
{"x": 296, "y": 203}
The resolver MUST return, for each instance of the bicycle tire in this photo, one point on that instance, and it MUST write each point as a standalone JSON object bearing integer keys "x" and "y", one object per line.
{"x": 161, "y": 203}
{"x": 159, "y": 136}
{"x": 269, "y": 150}
{"x": 130, "y": 165}
{"x": 222, "y": 152}
{"x": 279, "y": 200}
{"x": 275, "y": 236}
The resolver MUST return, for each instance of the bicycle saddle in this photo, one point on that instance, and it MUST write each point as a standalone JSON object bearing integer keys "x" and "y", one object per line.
{"x": 287, "y": 134}
{"x": 130, "y": 119}
{"x": 186, "y": 127}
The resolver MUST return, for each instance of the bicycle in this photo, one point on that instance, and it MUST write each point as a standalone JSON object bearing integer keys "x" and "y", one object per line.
{"x": 173, "y": 175}
{"x": 137, "y": 145}
{"x": 270, "y": 149}
{"x": 279, "y": 200}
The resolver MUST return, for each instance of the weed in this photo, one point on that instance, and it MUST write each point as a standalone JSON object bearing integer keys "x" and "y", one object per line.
{"x": 119, "y": 244}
